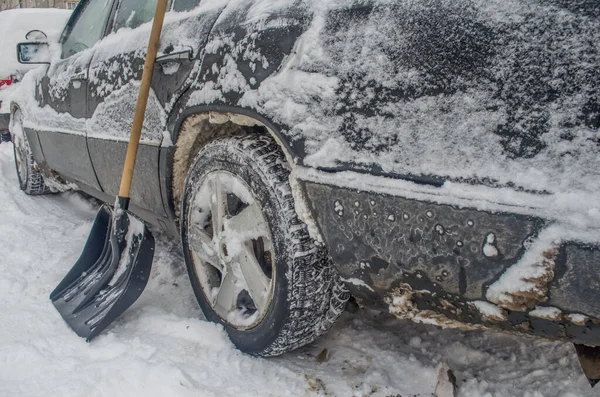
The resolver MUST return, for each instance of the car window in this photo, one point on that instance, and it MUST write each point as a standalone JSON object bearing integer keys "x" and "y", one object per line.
{"x": 86, "y": 27}
{"x": 185, "y": 5}
{"x": 133, "y": 13}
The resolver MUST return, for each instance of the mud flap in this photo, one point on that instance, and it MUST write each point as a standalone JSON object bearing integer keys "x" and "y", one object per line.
{"x": 589, "y": 358}
{"x": 110, "y": 274}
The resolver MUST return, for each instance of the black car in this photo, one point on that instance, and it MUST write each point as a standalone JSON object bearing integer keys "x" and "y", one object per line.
{"x": 438, "y": 159}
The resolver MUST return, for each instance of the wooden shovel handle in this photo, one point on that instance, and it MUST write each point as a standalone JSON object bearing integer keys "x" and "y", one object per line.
{"x": 142, "y": 101}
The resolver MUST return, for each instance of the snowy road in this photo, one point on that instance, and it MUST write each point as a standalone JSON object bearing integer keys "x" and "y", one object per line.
{"x": 162, "y": 347}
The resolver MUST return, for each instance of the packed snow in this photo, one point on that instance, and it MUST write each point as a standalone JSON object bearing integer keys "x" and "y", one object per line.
{"x": 163, "y": 347}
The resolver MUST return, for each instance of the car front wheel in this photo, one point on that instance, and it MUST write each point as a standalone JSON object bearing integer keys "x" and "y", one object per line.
{"x": 252, "y": 264}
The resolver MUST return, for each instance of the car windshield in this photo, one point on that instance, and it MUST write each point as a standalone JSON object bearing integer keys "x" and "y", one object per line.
{"x": 86, "y": 27}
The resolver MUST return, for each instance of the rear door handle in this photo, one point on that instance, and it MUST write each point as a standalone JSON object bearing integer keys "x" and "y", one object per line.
{"x": 79, "y": 76}
{"x": 175, "y": 56}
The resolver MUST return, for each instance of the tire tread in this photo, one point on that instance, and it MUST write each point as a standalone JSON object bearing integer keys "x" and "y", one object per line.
{"x": 317, "y": 295}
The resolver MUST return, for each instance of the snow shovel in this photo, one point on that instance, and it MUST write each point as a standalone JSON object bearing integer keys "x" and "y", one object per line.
{"x": 115, "y": 265}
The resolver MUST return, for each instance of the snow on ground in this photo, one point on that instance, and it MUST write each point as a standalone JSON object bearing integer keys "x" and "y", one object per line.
{"x": 163, "y": 347}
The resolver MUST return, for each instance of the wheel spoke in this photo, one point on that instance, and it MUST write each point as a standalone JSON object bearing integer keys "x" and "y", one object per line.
{"x": 227, "y": 295}
{"x": 204, "y": 247}
{"x": 256, "y": 280}
{"x": 249, "y": 221}
{"x": 218, "y": 206}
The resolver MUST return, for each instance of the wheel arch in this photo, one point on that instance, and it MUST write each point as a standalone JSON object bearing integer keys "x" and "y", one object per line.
{"x": 240, "y": 115}
{"x": 199, "y": 125}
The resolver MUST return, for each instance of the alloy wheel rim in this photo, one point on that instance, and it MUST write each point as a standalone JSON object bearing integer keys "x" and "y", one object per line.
{"x": 230, "y": 243}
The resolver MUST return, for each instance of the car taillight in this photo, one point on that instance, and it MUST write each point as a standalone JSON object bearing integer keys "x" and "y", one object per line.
{"x": 6, "y": 81}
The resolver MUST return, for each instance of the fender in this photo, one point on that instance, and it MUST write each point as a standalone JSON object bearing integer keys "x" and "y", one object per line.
{"x": 167, "y": 154}
{"x": 253, "y": 50}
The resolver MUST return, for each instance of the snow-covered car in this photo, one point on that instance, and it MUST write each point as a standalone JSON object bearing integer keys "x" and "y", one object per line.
{"x": 439, "y": 159}
{"x": 14, "y": 26}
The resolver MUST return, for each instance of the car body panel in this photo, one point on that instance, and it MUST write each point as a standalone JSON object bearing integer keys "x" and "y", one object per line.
{"x": 114, "y": 92}
{"x": 59, "y": 92}
{"x": 434, "y": 263}
{"x": 377, "y": 238}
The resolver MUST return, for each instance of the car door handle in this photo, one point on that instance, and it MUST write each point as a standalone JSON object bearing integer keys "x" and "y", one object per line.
{"x": 79, "y": 76}
{"x": 175, "y": 56}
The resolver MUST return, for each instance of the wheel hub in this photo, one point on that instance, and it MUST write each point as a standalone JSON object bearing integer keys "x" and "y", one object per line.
{"x": 224, "y": 227}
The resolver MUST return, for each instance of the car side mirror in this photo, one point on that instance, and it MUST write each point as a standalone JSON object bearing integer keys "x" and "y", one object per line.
{"x": 33, "y": 53}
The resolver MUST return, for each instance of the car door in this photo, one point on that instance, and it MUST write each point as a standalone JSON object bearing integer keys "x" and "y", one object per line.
{"x": 61, "y": 117}
{"x": 115, "y": 73}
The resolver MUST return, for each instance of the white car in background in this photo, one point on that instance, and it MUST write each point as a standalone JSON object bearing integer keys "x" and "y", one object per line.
{"x": 14, "y": 26}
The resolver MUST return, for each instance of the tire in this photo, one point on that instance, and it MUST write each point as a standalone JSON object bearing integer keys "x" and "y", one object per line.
{"x": 31, "y": 180}
{"x": 305, "y": 293}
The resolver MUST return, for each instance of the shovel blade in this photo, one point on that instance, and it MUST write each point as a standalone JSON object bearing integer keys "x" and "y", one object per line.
{"x": 110, "y": 274}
